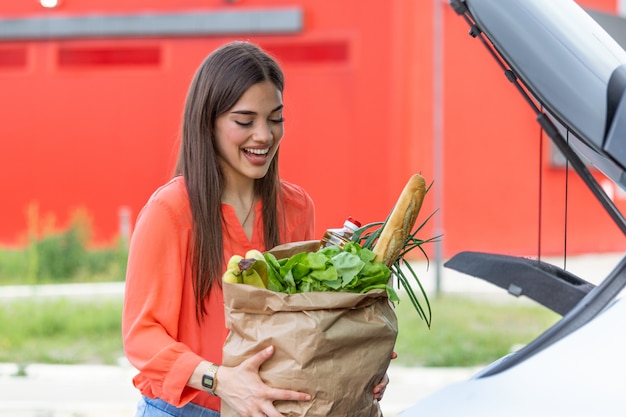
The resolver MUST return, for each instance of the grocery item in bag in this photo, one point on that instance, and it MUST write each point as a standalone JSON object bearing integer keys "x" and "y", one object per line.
{"x": 335, "y": 346}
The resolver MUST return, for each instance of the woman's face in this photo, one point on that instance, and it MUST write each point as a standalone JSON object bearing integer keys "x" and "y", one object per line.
{"x": 248, "y": 134}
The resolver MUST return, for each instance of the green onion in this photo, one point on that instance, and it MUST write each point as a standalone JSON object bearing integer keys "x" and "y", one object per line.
{"x": 367, "y": 236}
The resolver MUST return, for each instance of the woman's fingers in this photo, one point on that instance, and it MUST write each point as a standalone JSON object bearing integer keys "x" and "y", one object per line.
{"x": 250, "y": 396}
{"x": 288, "y": 395}
{"x": 257, "y": 359}
{"x": 282, "y": 395}
{"x": 379, "y": 389}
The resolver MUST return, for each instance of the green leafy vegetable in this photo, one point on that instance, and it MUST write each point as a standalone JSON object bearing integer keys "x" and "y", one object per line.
{"x": 351, "y": 269}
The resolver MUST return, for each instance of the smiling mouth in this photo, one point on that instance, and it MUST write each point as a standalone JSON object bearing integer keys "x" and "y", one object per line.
{"x": 260, "y": 152}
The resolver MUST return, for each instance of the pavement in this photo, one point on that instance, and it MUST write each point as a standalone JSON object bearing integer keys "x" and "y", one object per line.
{"x": 42, "y": 390}
{"x": 99, "y": 391}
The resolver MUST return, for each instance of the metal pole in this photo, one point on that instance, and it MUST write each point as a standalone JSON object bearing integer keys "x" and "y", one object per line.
{"x": 438, "y": 136}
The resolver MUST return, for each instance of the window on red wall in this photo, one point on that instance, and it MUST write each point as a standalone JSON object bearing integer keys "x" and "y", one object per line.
{"x": 108, "y": 56}
{"x": 13, "y": 58}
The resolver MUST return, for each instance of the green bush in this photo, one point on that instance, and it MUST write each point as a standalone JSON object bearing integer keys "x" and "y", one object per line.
{"x": 60, "y": 256}
{"x": 63, "y": 257}
{"x": 106, "y": 264}
{"x": 13, "y": 265}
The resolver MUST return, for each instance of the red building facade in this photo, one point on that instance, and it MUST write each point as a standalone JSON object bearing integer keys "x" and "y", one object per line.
{"x": 92, "y": 98}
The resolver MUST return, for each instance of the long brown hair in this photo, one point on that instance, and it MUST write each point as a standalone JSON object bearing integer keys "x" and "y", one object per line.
{"x": 219, "y": 82}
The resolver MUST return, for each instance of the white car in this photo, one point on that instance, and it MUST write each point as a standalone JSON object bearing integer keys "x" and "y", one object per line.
{"x": 573, "y": 74}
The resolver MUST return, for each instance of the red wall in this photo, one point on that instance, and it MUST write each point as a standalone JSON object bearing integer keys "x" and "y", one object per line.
{"x": 493, "y": 165}
{"x": 359, "y": 123}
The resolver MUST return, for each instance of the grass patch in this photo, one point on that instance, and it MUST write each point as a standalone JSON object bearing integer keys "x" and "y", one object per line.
{"x": 467, "y": 332}
{"x": 464, "y": 332}
{"x": 61, "y": 331}
{"x": 13, "y": 266}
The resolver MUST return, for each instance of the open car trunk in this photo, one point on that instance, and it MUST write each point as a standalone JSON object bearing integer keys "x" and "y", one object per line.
{"x": 572, "y": 73}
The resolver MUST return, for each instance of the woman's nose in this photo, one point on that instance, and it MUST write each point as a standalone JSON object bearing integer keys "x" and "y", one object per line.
{"x": 263, "y": 133}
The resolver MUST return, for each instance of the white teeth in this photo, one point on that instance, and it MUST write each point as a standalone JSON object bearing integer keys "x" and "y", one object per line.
{"x": 258, "y": 151}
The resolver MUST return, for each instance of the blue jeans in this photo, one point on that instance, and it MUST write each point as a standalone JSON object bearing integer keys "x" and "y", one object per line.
{"x": 150, "y": 407}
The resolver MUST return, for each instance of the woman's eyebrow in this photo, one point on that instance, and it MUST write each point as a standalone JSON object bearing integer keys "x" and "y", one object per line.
{"x": 250, "y": 112}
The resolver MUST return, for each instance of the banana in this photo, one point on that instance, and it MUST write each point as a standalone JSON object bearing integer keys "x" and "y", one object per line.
{"x": 233, "y": 262}
{"x": 254, "y": 272}
{"x": 260, "y": 266}
{"x": 232, "y": 277}
{"x": 255, "y": 254}
{"x": 251, "y": 270}
{"x": 233, "y": 273}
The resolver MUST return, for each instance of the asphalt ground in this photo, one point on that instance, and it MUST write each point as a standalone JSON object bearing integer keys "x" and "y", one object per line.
{"x": 41, "y": 390}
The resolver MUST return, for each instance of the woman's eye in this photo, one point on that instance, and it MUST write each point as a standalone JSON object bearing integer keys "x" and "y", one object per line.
{"x": 249, "y": 124}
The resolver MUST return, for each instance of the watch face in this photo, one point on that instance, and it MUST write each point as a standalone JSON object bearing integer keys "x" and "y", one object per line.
{"x": 208, "y": 381}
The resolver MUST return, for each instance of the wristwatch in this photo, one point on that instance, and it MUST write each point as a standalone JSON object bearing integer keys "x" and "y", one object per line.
{"x": 209, "y": 379}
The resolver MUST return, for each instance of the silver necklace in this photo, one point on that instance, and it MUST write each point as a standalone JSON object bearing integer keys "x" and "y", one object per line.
{"x": 243, "y": 223}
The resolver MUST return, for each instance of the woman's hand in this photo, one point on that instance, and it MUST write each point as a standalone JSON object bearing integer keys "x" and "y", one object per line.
{"x": 379, "y": 389}
{"x": 244, "y": 391}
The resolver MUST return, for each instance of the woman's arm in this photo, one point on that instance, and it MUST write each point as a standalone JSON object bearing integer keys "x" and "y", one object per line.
{"x": 152, "y": 302}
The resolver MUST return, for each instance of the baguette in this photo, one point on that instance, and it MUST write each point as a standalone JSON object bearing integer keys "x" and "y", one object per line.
{"x": 401, "y": 221}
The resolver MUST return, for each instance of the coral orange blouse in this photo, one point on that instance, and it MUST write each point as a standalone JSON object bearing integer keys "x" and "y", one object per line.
{"x": 162, "y": 337}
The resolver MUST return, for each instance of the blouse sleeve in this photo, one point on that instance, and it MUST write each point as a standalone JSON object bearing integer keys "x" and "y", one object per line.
{"x": 152, "y": 305}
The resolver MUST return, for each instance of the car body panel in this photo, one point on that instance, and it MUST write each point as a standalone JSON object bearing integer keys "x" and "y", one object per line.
{"x": 584, "y": 374}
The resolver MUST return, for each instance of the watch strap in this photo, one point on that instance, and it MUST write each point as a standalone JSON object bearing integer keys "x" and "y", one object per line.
{"x": 209, "y": 379}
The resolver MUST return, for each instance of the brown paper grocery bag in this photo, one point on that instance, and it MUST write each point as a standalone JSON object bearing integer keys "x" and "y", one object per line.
{"x": 334, "y": 346}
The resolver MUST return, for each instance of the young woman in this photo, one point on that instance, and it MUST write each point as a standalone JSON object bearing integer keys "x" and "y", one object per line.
{"x": 226, "y": 198}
